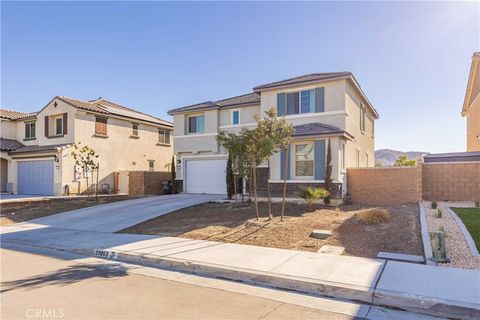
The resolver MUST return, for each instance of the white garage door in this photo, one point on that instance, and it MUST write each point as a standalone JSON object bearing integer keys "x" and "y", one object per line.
{"x": 35, "y": 177}
{"x": 206, "y": 176}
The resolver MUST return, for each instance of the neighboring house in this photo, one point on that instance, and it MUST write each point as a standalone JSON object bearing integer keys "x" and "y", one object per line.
{"x": 36, "y": 147}
{"x": 471, "y": 105}
{"x": 321, "y": 106}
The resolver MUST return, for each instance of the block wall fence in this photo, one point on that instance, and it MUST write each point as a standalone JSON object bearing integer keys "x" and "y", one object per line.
{"x": 447, "y": 181}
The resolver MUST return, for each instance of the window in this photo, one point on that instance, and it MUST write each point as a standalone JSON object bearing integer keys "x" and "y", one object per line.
{"x": 362, "y": 118}
{"x": 101, "y": 126}
{"x": 292, "y": 103}
{"x": 307, "y": 101}
{"x": 163, "y": 136}
{"x": 151, "y": 165}
{"x": 235, "y": 117}
{"x": 135, "y": 129}
{"x": 29, "y": 130}
{"x": 59, "y": 126}
{"x": 196, "y": 124}
{"x": 304, "y": 160}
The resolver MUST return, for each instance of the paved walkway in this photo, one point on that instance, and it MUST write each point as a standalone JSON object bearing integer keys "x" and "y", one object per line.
{"x": 116, "y": 216}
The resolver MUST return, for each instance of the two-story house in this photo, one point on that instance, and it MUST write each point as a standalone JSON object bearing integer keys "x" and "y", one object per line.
{"x": 321, "y": 106}
{"x": 471, "y": 105}
{"x": 36, "y": 148}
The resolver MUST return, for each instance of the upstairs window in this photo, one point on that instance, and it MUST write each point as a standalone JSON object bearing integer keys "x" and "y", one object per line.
{"x": 236, "y": 117}
{"x": 101, "y": 126}
{"x": 196, "y": 124}
{"x": 151, "y": 165}
{"x": 163, "y": 137}
{"x": 59, "y": 126}
{"x": 29, "y": 130}
{"x": 301, "y": 102}
{"x": 135, "y": 129}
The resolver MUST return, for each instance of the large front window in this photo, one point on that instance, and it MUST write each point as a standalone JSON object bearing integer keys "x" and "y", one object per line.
{"x": 196, "y": 124}
{"x": 30, "y": 130}
{"x": 304, "y": 160}
{"x": 301, "y": 102}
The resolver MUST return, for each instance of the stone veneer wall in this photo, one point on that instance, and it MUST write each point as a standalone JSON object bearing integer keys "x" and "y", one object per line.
{"x": 147, "y": 182}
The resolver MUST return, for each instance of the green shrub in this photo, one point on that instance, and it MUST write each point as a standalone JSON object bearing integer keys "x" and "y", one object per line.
{"x": 439, "y": 214}
{"x": 311, "y": 194}
{"x": 434, "y": 204}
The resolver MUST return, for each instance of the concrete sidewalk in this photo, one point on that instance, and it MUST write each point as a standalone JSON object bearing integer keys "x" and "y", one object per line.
{"x": 430, "y": 290}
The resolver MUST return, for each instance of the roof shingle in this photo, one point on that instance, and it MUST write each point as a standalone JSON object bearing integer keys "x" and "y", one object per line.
{"x": 10, "y": 144}
{"x": 317, "y": 129}
{"x": 304, "y": 78}
{"x": 26, "y": 149}
{"x": 13, "y": 115}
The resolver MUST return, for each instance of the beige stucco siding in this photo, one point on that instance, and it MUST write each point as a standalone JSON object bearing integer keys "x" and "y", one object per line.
{"x": 119, "y": 151}
{"x": 364, "y": 141}
{"x": 247, "y": 115}
{"x": 473, "y": 125}
{"x": 8, "y": 129}
{"x": 51, "y": 110}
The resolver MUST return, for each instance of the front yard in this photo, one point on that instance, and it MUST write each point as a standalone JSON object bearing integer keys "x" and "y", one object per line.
{"x": 227, "y": 223}
{"x": 27, "y": 210}
{"x": 471, "y": 219}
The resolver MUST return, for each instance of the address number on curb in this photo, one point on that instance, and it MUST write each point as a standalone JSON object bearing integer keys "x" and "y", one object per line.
{"x": 105, "y": 254}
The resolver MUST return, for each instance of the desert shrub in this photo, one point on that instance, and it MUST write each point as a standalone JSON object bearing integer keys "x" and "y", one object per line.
{"x": 311, "y": 194}
{"x": 434, "y": 204}
{"x": 477, "y": 203}
{"x": 373, "y": 215}
{"x": 439, "y": 214}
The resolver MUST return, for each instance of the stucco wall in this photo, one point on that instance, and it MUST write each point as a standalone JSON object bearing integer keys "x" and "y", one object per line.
{"x": 385, "y": 186}
{"x": 473, "y": 126}
{"x": 451, "y": 181}
{"x": 8, "y": 129}
{"x": 247, "y": 115}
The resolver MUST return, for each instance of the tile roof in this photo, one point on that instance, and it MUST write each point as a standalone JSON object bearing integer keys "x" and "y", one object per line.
{"x": 27, "y": 149}
{"x": 304, "y": 78}
{"x": 10, "y": 144}
{"x": 237, "y": 101}
{"x": 452, "y": 157}
{"x": 13, "y": 115}
{"x": 107, "y": 107}
{"x": 316, "y": 129}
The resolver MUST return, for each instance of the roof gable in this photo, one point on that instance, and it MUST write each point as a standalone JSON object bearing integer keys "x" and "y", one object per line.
{"x": 14, "y": 115}
{"x": 473, "y": 84}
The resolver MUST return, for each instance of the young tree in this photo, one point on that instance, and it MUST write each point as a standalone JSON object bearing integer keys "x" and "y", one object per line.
{"x": 230, "y": 178}
{"x": 279, "y": 133}
{"x": 403, "y": 161}
{"x": 328, "y": 174}
{"x": 85, "y": 157}
{"x": 311, "y": 194}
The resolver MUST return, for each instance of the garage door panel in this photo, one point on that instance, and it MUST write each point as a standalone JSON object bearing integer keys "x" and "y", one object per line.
{"x": 206, "y": 176}
{"x": 35, "y": 177}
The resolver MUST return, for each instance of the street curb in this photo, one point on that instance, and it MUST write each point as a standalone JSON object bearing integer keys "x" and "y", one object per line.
{"x": 466, "y": 234}
{"x": 280, "y": 281}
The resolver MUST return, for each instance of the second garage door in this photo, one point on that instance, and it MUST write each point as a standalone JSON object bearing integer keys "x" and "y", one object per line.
{"x": 35, "y": 177}
{"x": 206, "y": 176}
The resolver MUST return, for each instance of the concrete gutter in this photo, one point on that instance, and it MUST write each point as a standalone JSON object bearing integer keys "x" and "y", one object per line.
{"x": 471, "y": 244}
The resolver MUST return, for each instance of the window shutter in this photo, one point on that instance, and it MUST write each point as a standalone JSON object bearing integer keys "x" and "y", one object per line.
{"x": 319, "y": 159}
{"x": 281, "y": 104}
{"x": 65, "y": 122}
{"x": 46, "y": 126}
{"x": 320, "y": 99}
{"x": 283, "y": 158}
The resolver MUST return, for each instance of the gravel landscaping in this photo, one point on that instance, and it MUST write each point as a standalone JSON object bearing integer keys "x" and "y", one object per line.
{"x": 226, "y": 223}
{"x": 457, "y": 248}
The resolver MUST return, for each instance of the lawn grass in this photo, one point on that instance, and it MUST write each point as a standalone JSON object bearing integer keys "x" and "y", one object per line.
{"x": 471, "y": 219}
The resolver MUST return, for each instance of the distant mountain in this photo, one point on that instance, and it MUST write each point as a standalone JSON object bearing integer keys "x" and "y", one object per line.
{"x": 387, "y": 157}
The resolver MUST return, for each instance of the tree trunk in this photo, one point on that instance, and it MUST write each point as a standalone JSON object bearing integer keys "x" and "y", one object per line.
{"x": 250, "y": 186}
{"x": 255, "y": 190}
{"x": 96, "y": 186}
{"x": 287, "y": 150}
{"x": 270, "y": 215}
{"x": 235, "y": 185}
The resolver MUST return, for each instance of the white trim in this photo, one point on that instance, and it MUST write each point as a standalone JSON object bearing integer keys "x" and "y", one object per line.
{"x": 315, "y": 114}
{"x": 196, "y": 135}
{"x": 238, "y": 125}
{"x": 231, "y": 117}
{"x": 206, "y": 156}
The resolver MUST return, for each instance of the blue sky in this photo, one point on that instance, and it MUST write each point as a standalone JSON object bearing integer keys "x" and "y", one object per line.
{"x": 412, "y": 59}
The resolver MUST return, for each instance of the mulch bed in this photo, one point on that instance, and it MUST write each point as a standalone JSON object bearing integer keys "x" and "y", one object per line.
{"x": 227, "y": 223}
{"x": 28, "y": 210}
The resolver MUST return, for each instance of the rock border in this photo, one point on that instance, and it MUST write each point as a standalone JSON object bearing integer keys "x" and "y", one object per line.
{"x": 427, "y": 245}
{"x": 466, "y": 234}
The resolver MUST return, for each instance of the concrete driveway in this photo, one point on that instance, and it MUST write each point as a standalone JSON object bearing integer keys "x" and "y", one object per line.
{"x": 116, "y": 216}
